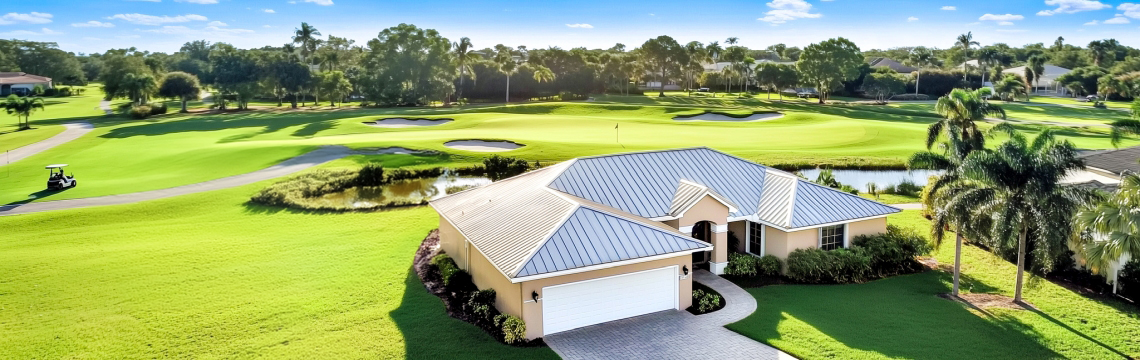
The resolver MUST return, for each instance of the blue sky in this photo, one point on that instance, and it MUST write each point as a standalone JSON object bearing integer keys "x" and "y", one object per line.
{"x": 163, "y": 25}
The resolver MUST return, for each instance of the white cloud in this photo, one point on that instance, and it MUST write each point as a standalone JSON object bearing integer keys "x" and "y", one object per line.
{"x": 581, "y": 26}
{"x": 19, "y": 33}
{"x": 269, "y": 11}
{"x": 94, "y": 23}
{"x": 198, "y": 1}
{"x": 1011, "y": 30}
{"x": 1072, "y": 6}
{"x": 29, "y": 18}
{"x": 1092, "y": 23}
{"x": 1005, "y": 23}
{"x": 1130, "y": 10}
{"x": 143, "y": 19}
{"x": 266, "y": 26}
{"x": 217, "y": 23}
{"x": 320, "y": 2}
{"x": 206, "y": 31}
{"x": 788, "y": 10}
{"x": 1006, "y": 17}
{"x": 1119, "y": 19}
{"x": 949, "y": 8}
{"x": 912, "y": 18}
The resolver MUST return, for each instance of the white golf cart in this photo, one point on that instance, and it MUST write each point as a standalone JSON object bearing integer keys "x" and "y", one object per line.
{"x": 57, "y": 180}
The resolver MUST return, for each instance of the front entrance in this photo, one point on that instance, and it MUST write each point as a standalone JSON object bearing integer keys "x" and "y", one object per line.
{"x": 703, "y": 231}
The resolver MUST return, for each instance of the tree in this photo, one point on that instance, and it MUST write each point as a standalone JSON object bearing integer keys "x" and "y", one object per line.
{"x": 140, "y": 87}
{"x": 921, "y": 57}
{"x": 22, "y": 107}
{"x": 508, "y": 66}
{"x": 1083, "y": 80}
{"x": 1101, "y": 51}
{"x": 180, "y": 85}
{"x": 407, "y": 65}
{"x": 964, "y": 43}
{"x": 117, "y": 64}
{"x": 1036, "y": 64}
{"x": 882, "y": 85}
{"x": 661, "y": 55}
{"x": 465, "y": 56}
{"x": 334, "y": 85}
{"x": 306, "y": 35}
{"x": 1120, "y": 128}
{"x": 936, "y": 198}
{"x": 987, "y": 56}
{"x": 1110, "y": 230}
{"x": 828, "y": 64}
{"x": 1011, "y": 87}
{"x": 235, "y": 73}
{"x": 695, "y": 57}
{"x": 960, "y": 110}
{"x": 1013, "y": 190}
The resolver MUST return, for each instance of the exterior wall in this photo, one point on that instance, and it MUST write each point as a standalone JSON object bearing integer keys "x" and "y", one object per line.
{"x": 508, "y": 297}
{"x": 532, "y": 311}
{"x": 866, "y": 227}
{"x": 453, "y": 243}
{"x": 781, "y": 243}
{"x": 709, "y": 209}
{"x": 740, "y": 230}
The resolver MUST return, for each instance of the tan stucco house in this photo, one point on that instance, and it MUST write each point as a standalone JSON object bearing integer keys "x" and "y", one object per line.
{"x": 602, "y": 238}
{"x": 20, "y": 83}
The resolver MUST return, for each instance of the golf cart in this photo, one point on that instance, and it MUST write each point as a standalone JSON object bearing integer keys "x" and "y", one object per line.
{"x": 56, "y": 178}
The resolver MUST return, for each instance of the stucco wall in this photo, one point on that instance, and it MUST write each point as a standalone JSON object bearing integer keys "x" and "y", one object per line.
{"x": 740, "y": 230}
{"x": 709, "y": 209}
{"x": 508, "y": 297}
{"x": 781, "y": 244}
{"x": 867, "y": 227}
{"x": 532, "y": 311}
{"x": 452, "y": 242}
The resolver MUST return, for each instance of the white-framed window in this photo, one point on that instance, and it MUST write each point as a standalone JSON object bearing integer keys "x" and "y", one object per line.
{"x": 833, "y": 237}
{"x": 755, "y": 238}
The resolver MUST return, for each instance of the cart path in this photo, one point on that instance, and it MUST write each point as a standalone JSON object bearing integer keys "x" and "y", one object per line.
{"x": 287, "y": 167}
{"x": 70, "y": 132}
{"x": 105, "y": 105}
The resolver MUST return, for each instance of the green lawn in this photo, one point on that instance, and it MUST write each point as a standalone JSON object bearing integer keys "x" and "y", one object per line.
{"x": 1077, "y": 102}
{"x": 207, "y": 276}
{"x": 56, "y": 110}
{"x": 902, "y": 317}
{"x": 891, "y": 198}
{"x": 1036, "y": 112}
{"x": 12, "y": 139}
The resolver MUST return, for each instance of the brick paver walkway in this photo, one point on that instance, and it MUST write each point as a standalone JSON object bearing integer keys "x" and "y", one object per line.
{"x": 673, "y": 334}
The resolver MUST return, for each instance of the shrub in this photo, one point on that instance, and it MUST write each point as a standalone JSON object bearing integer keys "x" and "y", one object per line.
{"x": 514, "y": 329}
{"x": 157, "y": 108}
{"x": 502, "y": 167}
{"x": 481, "y": 303}
{"x": 567, "y": 96}
{"x": 370, "y": 175}
{"x": 840, "y": 266}
{"x": 768, "y": 266}
{"x": 893, "y": 252}
{"x": 741, "y": 265}
{"x": 1130, "y": 280}
{"x": 906, "y": 97}
{"x": 907, "y": 188}
{"x": 457, "y": 188}
{"x": 705, "y": 300}
{"x": 140, "y": 111}
{"x": 454, "y": 278}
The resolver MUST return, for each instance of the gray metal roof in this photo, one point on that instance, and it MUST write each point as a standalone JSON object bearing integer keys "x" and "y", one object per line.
{"x": 1115, "y": 161}
{"x": 817, "y": 204}
{"x": 592, "y": 237}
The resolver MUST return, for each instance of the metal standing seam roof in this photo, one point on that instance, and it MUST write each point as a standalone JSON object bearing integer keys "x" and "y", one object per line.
{"x": 1115, "y": 161}
{"x": 597, "y": 210}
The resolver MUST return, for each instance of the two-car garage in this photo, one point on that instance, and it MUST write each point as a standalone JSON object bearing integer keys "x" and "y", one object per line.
{"x": 576, "y": 304}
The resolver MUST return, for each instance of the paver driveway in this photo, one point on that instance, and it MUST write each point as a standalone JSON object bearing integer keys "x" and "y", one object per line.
{"x": 671, "y": 334}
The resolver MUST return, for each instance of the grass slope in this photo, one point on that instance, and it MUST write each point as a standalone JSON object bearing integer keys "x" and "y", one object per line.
{"x": 206, "y": 276}
{"x": 12, "y": 139}
{"x": 902, "y": 317}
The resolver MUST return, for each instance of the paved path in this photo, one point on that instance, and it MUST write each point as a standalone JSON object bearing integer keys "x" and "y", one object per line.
{"x": 105, "y": 105}
{"x": 302, "y": 162}
{"x": 908, "y": 206}
{"x": 672, "y": 334}
{"x": 70, "y": 132}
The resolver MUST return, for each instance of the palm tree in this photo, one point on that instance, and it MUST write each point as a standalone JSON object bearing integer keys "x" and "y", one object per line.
{"x": 507, "y": 65}
{"x": 922, "y": 57}
{"x": 731, "y": 41}
{"x": 139, "y": 87}
{"x": 541, "y": 73}
{"x": 1099, "y": 51}
{"x": 1120, "y": 128}
{"x": 713, "y": 50}
{"x": 306, "y": 35}
{"x": 465, "y": 57}
{"x": 747, "y": 68}
{"x": 22, "y": 107}
{"x": 1110, "y": 230}
{"x": 960, "y": 110}
{"x": 965, "y": 42}
{"x": 987, "y": 56}
{"x": 697, "y": 55}
{"x": 1059, "y": 44}
{"x": 1036, "y": 64}
{"x": 950, "y": 162}
{"x": 1012, "y": 195}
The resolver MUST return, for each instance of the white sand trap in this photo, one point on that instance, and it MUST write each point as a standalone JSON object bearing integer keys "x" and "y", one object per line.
{"x": 405, "y": 122}
{"x": 722, "y": 117}
{"x": 483, "y": 145}
{"x": 396, "y": 150}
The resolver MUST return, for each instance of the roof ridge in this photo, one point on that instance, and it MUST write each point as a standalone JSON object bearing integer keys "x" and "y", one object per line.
{"x": 549, "y": 233}
{"x": 643, "y": 152}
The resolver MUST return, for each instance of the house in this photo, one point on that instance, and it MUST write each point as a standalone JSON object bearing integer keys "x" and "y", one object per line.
{"x": 891, "y": 64}
{"x": 20, "y": 83}
{"x": 1106, "y": 167}
{"x": 602, "y": 238}
{"x": 1047, "y": 81}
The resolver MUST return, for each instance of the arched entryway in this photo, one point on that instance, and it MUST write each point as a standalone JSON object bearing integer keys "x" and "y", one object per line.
{"x": 703, "y": 231}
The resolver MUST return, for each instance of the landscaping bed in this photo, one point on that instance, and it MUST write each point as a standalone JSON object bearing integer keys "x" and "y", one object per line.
{"x": 460, "y": 297}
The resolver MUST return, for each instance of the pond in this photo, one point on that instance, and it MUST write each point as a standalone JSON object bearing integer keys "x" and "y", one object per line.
{"x": 860, "y": 178}
{"x": 403, "y": 191}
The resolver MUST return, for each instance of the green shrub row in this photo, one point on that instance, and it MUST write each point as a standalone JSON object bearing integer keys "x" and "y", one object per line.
{"x": 748, "y": 265}
{"x": 478, "y": 306}
{"x": 869, "y": 258}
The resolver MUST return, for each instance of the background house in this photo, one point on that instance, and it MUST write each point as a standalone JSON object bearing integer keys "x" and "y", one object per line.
{"x": 1047, "y": 81}
{"x": 891, "y": 64}
{"x": 21, "y": 83}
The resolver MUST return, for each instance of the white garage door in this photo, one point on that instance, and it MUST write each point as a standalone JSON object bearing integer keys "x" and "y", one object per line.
{"x": 574, "y": 305}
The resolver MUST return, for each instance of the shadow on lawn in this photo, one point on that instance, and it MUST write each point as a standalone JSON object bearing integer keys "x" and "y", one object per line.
{"x": 900, "y": 317}
{"x": 429, "y": 333}
{"x": 34, "y": 196}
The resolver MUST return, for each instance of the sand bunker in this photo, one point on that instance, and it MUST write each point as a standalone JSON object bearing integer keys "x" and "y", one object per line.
{"x": 406, "y": 122}
{"x": 483, "y": 145}
{"x": 723, "y": 117}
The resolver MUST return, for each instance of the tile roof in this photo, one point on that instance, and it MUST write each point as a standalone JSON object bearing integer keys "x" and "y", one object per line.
{"x": 1115, "y": 161}
{"x": 8, "y": 78}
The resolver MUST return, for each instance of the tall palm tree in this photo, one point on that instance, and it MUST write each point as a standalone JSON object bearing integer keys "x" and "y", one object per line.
{"x": 987, "y": 56}
{"x": 731, "y": 41}
{"x": 508, "y": 66}
{"x": 950, "y": 162}
{"x": 140, "y": 87}
{"x": 1036, "y": 64}
{"x": 922, "y": 57}
{"x": 697, "y": 56}
{"x": 965, "y": 42}
{"x": 713, "y": 49}
{"x": 306, "y": 35}
{"x": 465, "y": 57}
{"x": 1099, "y": 51}
{"x": 22, "y": 107}
{"x": 1110, "y": 231}
{"x": 1059, "y": 44}
{"x": 1011, "y": 194}
{"x": 960, "y": 110}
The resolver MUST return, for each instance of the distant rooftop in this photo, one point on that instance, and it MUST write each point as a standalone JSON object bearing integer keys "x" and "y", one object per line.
{"x": 9, "y": 78}
{"x": 1115, "y": 161}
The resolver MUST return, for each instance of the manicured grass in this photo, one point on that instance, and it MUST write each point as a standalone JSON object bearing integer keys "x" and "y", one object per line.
{"x": 13, "y": 139}
{"x": 891, "y": 198}
{"x": 902, "y": 317}
{"x": 1077, "y": 102}
{"x": 207, "y": 276}
{"x": 1034, "y": 112}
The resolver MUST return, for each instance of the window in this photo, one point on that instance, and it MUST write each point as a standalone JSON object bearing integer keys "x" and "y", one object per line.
{"x": 755, "y": 238}
{"x": 831, "y": 237}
